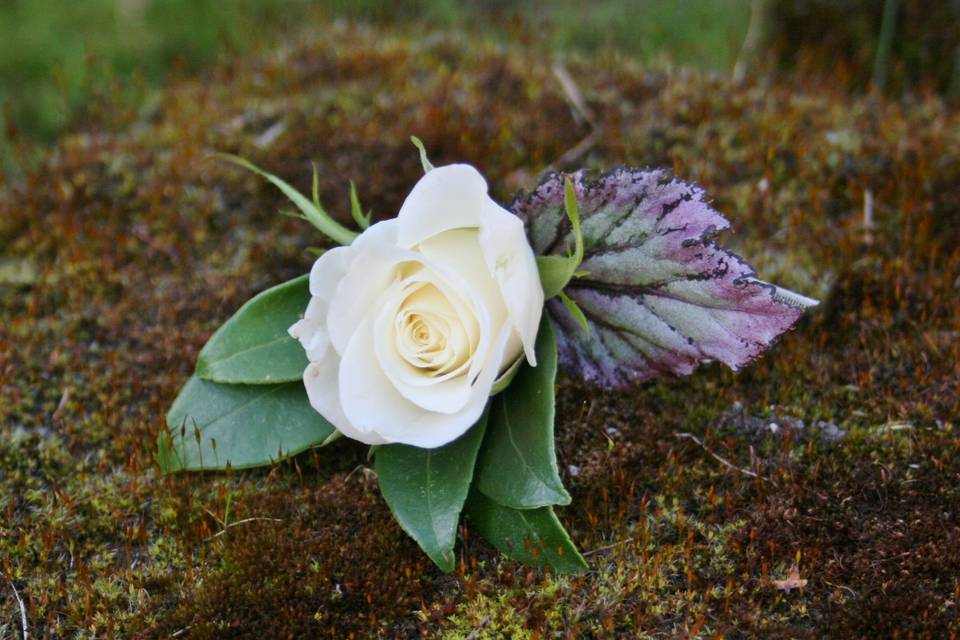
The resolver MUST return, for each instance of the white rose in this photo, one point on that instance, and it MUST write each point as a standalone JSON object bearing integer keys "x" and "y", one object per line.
{"x": 408, "y": 327}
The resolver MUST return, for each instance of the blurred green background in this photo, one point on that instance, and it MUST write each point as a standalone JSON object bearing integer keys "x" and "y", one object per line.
{"x": 61, "y": 59}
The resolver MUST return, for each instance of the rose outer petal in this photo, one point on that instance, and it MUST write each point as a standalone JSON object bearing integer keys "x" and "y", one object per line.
{"x": 310, "y": 330}
{"x": 449, "y": 197}
{"x": 323, "y": 392}
{"x": 327, "y": 272}
{"x": 370, "y": 271}
{"x": 514, "y": 268}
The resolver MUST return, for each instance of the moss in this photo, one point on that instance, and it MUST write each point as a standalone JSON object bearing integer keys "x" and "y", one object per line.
{"x": 515, "y": 613}
{"x": 139, "y": 249}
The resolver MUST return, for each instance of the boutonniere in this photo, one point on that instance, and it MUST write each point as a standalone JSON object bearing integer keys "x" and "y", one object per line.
{"x": 435, "y": 337}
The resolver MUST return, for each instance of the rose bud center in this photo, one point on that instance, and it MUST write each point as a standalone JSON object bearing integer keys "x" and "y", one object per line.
{"x": 430, "y": 335}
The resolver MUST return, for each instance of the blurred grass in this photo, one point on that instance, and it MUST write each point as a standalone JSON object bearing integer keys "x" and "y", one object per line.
{"x": 59, "y": 58}
{"x": 705, "y": 34}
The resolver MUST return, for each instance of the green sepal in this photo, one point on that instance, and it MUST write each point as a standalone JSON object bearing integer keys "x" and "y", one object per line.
{"x": 575, "y": 311}
{"x": 356, "y": 211}
{"x": 557, "y": 271}
{"x": 314, "y": 213}
{"x": 505, "y": 378}
{"x": 315, "y": 187}
{"x": 424, "y": 160}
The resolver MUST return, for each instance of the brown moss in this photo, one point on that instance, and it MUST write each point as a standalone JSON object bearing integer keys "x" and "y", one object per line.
{"x": 139, "y": 249}
{"x": 300, "y": 562}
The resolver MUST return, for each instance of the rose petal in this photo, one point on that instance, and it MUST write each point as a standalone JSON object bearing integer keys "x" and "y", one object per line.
{"x": 473, "y": 326}
{"x": 372, "y": 272}
{"x": 445, "y": 394}
{"x": 311, "y": 331}
{"x": 323, "y": 392}
{"x": 360, "y": 292}
{"x": 511, "y": 261}
{"x": 383, "y": 232}
{"x": 449, "y": 197}
{"x": 460, "y": 250}
{"x": 370, "y": 399}
{"x": 328, "y": 270}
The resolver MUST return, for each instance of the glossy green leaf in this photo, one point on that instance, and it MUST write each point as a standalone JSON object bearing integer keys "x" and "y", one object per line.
{"x": 518, "y": 462}
{"x": 530, "y": 536}
{"x": 212, "y": 426}
{"x": 253, "y": 347}
{"x": 426, "y": 488}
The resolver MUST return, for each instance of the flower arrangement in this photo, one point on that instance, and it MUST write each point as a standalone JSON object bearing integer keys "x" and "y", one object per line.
{"x": 435, "y": 337}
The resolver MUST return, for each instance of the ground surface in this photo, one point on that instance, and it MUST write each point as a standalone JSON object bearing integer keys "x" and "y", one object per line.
{"x": 123, "y": 252}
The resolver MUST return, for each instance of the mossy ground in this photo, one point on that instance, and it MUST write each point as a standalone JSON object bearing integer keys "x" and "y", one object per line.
{"x": 126, "y": 249}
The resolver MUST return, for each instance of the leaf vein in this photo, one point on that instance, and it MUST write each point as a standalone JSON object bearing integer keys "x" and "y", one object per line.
{"x": 506, "y": 418}
{"x": 262, "y": 345}
{"x": 244, "y": 404}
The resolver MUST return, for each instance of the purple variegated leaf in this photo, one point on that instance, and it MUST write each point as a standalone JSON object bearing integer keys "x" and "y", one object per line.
{"x": 660, "y": 296}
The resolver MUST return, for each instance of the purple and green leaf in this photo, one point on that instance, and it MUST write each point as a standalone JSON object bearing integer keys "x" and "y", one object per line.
{"x": 658, "y": 294}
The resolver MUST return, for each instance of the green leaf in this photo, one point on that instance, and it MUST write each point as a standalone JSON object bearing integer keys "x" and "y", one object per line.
{"x": 253, "y": 346}
{"x": 211, "y": 426}
{"x": 426, "y": 488}
{"x": 518, "y": 462}
{"x": 312, "y": 210}
{"x": 531, "y": 536}
{"x": 424, "y": 160}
